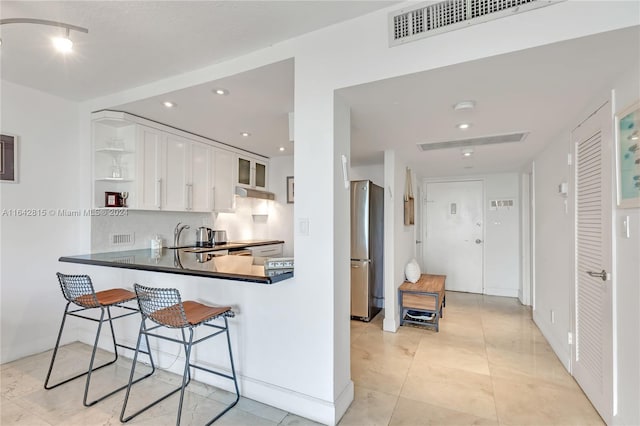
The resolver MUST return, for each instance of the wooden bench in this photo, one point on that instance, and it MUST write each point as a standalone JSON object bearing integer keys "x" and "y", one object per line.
{"x": 426, "y": 296}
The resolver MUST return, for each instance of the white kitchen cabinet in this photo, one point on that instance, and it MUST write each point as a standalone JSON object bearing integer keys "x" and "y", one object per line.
{"x": 151, "y": 154}
{"x": 251, "y": 173}
{"x": 199, "y": 186}
{"x": 176, "y": 192}
{"x": 175, "y": 172}
{"x": 269, "y": 250}
{"x": 222, "y": 182}
{"x": 162, "y": 168}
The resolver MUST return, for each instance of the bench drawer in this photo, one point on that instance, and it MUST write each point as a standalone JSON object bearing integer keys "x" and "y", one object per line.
{"x": 423, "y": 302}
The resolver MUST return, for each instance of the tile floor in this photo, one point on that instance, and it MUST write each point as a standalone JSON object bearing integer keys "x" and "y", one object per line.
{"x": 488, "y": 365}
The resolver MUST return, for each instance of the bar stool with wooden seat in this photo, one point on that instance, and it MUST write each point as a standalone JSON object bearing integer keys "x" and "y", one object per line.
{"x": 165, "y": 308}
{"x": 78, "y": 290}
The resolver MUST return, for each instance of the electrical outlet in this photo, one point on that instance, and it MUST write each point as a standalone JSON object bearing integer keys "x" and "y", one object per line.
{"x": 570, "y": 338}
{"x": 553, "y": 317}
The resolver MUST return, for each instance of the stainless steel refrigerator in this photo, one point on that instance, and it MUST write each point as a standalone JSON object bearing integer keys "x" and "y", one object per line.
{"x": 367, "y": 245}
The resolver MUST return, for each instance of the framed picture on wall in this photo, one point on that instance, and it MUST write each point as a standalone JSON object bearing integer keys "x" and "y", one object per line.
{"x": 290, "y": 188}
{"x": 8, "y": 158}
{"x": 628, "y": 156}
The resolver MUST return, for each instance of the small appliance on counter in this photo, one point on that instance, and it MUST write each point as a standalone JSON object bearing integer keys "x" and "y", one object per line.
{"x": 207, "y": 237}
{"x": 219, "y": 237}
{"x": 204, "y": 237}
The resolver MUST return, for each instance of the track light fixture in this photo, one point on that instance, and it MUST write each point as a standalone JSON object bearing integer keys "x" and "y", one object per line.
{"x": 62, "y": 44}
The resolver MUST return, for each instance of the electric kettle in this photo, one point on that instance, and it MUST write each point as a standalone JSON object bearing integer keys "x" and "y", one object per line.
{"x": 204, "y": 237}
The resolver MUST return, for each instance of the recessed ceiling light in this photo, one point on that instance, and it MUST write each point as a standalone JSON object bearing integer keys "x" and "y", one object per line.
{"x": 463, "y": 126}
{"x": 221, "y": 92}
{"x": 245, "y": 134}
{"x": 169, "y": 104}
{"x": 467, "y": 152}
{"x": 464, "y": 105}
{"x": 281, "y": 148}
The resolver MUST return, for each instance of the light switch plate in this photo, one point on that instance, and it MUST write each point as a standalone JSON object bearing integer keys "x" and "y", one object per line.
{"x": 303, "y": 226}
{"x": 626, "y": 232}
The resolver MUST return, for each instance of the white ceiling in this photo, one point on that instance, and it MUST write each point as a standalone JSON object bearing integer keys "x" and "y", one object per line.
{"x": 131, "y": 43}
{"x": 538, "y": 90}
{"x": 541, "y": 90}
{"x": 259, "y": 102}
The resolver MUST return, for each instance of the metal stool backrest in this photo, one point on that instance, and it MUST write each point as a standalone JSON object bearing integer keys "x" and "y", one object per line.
{"x": 78, "y": 289}
{"x": 162, "y": 306}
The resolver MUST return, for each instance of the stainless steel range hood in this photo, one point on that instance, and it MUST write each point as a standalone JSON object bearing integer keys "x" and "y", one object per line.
{"x": 254, "y": 193}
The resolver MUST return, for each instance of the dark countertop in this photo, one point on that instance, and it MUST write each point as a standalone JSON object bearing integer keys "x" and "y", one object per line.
{"x": 237, "y": 245}
{"x": 180, "y": 261}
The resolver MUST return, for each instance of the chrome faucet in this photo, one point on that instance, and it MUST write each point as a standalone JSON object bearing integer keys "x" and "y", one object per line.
{"x": 177, "y": 232}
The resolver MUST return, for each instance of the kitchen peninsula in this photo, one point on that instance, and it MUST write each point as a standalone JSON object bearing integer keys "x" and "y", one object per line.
{"x": 195, "y": 261}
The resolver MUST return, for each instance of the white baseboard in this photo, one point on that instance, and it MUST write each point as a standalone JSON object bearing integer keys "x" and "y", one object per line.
{"x": 343, "y": 401}
{"x": 556, "y": 343}
{"x": 505, "y": 292}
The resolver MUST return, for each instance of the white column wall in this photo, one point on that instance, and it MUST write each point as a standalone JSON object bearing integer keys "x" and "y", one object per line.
{"x": 399, "y": 239}
{"x": 342, "y": 383}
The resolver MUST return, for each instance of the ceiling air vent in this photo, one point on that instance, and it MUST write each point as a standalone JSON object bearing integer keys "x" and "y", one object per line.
{"x": 434, "y": 18}
{"x": 484, "y": 140}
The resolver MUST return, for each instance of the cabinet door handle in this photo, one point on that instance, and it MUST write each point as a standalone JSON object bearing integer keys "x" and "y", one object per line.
{"x": 189, "y": 196}
{"x": 159, "y": 193}
{"x": 213, "y": 198}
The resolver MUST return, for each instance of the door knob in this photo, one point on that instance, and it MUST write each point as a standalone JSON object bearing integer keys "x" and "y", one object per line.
{"x": 478, "y": 241}
{"x": 602, "y": 274}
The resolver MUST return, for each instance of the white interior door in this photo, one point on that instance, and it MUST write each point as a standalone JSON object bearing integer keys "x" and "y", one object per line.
{"x": 454, "y": 230}
{"x": 593, "y": 353}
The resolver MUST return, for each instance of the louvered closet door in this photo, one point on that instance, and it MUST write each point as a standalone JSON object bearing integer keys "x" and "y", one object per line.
{"x": 593, "y": 354}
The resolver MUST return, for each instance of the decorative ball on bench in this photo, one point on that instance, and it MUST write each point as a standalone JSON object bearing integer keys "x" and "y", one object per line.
{"x": 412, "y": 271}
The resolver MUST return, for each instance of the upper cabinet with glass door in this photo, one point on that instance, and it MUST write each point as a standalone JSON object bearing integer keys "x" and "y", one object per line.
{"x": 252, "y": 173}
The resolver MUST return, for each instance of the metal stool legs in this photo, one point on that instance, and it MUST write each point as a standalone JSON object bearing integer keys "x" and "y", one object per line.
{"x": 186, "y": 376}
{"x": 91, "y": 368}
{"x": 164, "y": 307}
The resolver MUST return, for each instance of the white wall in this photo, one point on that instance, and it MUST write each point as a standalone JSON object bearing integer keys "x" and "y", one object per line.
{"x": 372, "y": 172}
{"x": 50, "y": 164}
{"x": 553, "y": 245}
{"x": 502, "y": 236}
{"x": 280, "y": 222}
